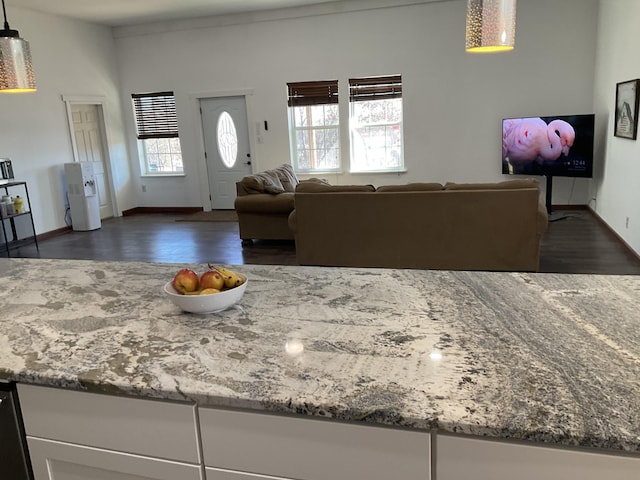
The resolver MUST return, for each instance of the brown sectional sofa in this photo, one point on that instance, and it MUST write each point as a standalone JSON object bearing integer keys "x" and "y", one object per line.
{"x": 263, "y": 203}
{"x": 495, "y": 227}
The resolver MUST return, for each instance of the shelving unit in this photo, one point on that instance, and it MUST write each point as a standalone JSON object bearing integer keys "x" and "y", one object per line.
{"x": 13, "y": 226}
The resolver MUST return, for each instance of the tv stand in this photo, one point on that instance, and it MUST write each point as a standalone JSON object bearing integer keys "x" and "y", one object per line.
{"x": 552, "y": 217}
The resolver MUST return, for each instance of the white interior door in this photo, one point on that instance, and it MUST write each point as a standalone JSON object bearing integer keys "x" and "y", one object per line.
{"x": 226, "y": 142}
{"x": 88, "y": 137}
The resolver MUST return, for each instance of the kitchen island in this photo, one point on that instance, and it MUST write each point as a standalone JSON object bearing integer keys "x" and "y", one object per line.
{"x": 542, "y": 358}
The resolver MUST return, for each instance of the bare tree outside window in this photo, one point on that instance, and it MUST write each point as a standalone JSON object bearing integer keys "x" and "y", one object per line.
{"x": 163, "y": 155}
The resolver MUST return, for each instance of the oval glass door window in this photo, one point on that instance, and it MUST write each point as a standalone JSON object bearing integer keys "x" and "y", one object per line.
{"x": 227, "y": 140}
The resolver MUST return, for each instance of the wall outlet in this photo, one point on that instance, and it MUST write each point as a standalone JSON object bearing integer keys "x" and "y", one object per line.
{"x": 626, "y": 224}
{"x": 144, "y": 188}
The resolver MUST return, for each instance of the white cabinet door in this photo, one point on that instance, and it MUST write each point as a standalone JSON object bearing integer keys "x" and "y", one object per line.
{"x": 52, "y": 460}
{"x": 310, "y": 449}
{"x": 215, "y": 474}
{"x": 460, "y": 458}
{"x": 146, "y": 427}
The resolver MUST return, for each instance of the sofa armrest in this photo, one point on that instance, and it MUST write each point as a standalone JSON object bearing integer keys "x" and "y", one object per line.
{"x": 265, "y": 203}
{"x": 241, "y": 189}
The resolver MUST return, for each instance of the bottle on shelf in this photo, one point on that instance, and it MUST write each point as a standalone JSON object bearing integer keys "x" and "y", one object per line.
{"x": 18, "y": 204}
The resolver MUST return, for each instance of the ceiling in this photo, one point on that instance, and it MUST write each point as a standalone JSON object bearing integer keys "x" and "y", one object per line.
{"x": 132, "y": 12}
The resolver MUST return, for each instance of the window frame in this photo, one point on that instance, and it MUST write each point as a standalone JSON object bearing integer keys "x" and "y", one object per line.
{"x": 375, "y": 89}
{"x": 155, "y": 118}
{"x": 307, "y": 95}
{"x": 147, "y": 159}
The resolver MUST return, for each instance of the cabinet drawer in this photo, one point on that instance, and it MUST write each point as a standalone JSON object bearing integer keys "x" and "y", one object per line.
{"x": 311, "y": 449}
{"x": 63, "y": 461}
{"x": 479, "y": 459}
{"x": 216, "y": 474}
{"x": 147, "y": 427}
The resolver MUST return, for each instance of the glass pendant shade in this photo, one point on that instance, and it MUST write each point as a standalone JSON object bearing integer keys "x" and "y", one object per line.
{"x": 491, "y": 25}
{"x": 16, "y": 70}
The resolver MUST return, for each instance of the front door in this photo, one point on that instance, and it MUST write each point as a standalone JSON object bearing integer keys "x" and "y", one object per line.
{"x": 226, "y": 144}
{"x": 87, "y": 132}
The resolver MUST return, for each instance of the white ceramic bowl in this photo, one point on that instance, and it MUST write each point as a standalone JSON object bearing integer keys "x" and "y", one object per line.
{"x": 215, "y": 302}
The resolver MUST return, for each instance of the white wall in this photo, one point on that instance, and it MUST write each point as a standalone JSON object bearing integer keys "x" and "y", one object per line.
{"x": 70, "y": 58}
{"x": 454, "y": 102}
{"x": 616, "y": 185}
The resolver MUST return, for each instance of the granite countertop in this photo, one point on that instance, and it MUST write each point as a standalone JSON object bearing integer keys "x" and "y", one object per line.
{"x": 543, "y": 357}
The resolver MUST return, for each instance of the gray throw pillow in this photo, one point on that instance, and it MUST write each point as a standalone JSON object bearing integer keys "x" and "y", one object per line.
{"x": 287, "y": 177}
{"x": 270, "y": 181}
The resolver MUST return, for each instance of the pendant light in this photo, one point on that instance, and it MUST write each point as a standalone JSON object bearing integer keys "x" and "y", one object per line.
{"x": 491, "y": 25}
{"x": 16, "y": 71}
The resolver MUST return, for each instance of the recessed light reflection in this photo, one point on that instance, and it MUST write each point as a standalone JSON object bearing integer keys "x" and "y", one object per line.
{"x": 294, "y": 347}
{"x": 435, "y": 355}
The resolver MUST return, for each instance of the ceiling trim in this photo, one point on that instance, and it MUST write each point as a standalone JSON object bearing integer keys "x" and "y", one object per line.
{"x": 329, "y": 8}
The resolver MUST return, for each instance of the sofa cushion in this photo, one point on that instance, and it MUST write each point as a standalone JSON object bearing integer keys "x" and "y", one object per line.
{"x": 312, "y": 187}
{"x": 287, "y": 177}
{"x": 263, "y": 182}
{"x": 411, "y": 187}
{"x": 270, "y": 204}
{"x": 506, "y": 185}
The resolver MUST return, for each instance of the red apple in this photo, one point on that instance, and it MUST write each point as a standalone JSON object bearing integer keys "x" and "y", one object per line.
{"x": 211, "y": 279}
{"x": 186, "y": 280}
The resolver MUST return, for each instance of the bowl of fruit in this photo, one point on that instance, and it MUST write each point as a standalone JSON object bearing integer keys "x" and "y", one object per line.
{"x": 214, "y": 290}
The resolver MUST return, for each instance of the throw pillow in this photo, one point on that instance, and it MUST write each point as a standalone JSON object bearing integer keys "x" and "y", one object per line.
{"x": 263, "y": 182}
{"x": 253, "y": 184}
{"x": 287, "y": 177}
{"x": 271, "y": 182}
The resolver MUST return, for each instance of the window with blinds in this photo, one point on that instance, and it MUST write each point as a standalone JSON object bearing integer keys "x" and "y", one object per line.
{"x": 155, "y": 115}
{"x": 375, "y": 88}
{"x": 312, "y": 93}
{"x": 314, "y": 126}
{"x": 157, "y": 130}
{"x": 375, "y": 120}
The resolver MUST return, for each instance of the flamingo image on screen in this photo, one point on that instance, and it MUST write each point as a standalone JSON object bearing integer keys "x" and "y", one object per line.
{"x": 551, "y": 146}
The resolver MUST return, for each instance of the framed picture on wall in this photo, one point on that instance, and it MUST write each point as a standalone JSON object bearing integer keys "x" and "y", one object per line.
{"x": 626, "y": 119}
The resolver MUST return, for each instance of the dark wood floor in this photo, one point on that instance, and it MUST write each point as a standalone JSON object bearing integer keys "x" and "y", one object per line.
{"x": 160, "y": 238}
{"x": 577, "y": 244}
{"x": 580, "y": 243}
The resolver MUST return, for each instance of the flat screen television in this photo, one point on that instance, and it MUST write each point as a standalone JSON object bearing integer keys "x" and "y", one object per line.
{"x": 560, "y": 146}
